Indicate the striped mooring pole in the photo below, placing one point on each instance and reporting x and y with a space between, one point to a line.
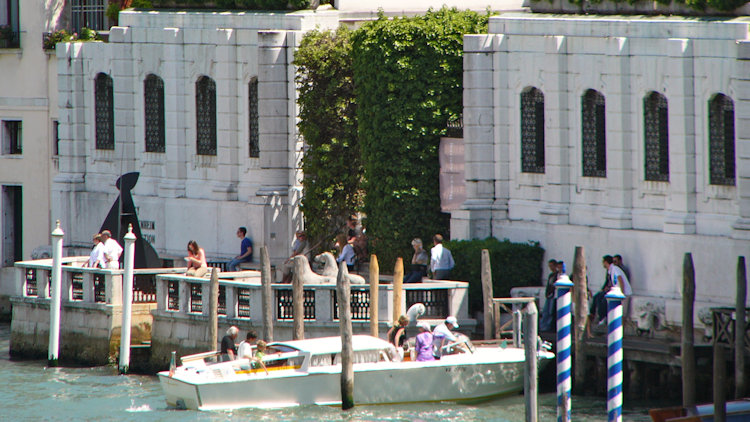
564 366
614 354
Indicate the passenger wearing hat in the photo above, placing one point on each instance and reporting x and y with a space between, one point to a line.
443 335
424 343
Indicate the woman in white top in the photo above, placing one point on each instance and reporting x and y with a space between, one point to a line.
96 258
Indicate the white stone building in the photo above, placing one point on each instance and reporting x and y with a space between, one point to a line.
28 121
620 134
203 105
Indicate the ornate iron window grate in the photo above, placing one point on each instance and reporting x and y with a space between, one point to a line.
656 128
205 115
252 116
104 111
76 283
31 285
100 294
360 303
153 101
243 303
593 135
173 296
144 288
89 14
435 302
284 304
721 140
222 308
532 131
196 298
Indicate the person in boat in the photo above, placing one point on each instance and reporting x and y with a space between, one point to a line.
442 335
96 258
397 333
228 348
245 349
257 360
424 341
196 260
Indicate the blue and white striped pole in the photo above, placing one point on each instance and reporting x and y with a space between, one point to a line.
614 354
563 286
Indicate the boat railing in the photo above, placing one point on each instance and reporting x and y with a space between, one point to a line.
241 298
199 356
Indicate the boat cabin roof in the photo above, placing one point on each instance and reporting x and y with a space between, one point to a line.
327 345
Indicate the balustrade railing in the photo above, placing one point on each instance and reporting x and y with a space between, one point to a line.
241 298
83 284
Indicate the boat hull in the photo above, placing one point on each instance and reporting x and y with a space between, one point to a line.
380 383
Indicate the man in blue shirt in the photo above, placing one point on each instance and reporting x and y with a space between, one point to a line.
246 250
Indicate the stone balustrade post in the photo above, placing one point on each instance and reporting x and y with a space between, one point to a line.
230 291
112 287
162 293
184 290
67 286
88 287
324 304
43 279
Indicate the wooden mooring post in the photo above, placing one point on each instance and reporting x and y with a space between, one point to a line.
398 287
580 300
687 348
266 293
720 381
374 294
213 310
740 386
487 295
343 289
298 302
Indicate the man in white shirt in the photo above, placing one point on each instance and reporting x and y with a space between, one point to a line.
441 260
618 277
245 349
112 251
442 334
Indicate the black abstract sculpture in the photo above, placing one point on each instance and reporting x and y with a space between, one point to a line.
120 215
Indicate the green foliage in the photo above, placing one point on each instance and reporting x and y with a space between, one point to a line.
408 75
87 34
141 4
299 4
331 163
113 10
513 265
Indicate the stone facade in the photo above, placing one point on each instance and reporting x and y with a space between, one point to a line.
651 223
182 195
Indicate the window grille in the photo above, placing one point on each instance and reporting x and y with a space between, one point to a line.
285 302
222 308
593 134
205 110
76 286
532 131
655 123
243 303
721 140
88 14
173 296
252 115
435 301
100 292
196 298
359 303
12 137
104 111
31 285
153 100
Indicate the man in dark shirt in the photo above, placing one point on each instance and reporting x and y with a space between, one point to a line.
228 348
246 250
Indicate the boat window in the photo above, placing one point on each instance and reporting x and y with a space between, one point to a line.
361 356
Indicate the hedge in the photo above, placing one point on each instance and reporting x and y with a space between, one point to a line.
513 265
331 162
408 75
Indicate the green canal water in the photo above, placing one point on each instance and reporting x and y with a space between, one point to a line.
30 391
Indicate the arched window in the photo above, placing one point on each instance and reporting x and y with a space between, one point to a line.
656 134
252 116
104 112
593 135
721 140
153 100
205 115
532 131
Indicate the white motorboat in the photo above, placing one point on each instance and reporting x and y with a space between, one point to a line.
309 372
